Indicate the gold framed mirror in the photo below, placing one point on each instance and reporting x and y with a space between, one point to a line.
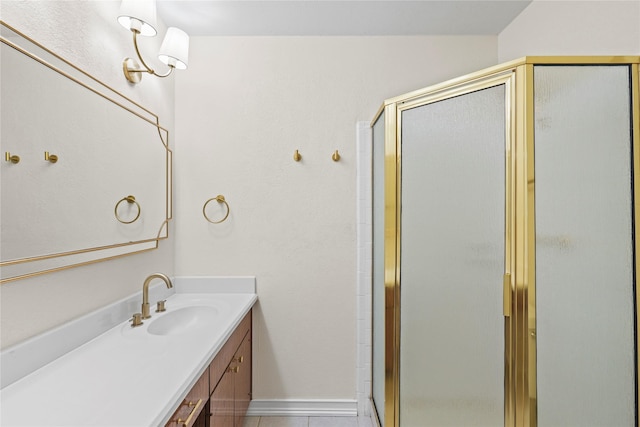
86 172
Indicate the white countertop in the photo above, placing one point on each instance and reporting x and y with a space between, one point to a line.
125 376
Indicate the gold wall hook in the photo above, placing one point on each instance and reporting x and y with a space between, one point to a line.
335 156
9 158
50 157
297 156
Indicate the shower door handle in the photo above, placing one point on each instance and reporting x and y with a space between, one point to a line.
506 295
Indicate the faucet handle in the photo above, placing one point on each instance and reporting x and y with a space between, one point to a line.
136 320
160 306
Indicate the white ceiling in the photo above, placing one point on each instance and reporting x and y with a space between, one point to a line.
339 17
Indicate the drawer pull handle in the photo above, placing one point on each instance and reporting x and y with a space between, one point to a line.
239 359
235 369
195 405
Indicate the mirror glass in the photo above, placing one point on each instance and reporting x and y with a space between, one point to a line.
83 150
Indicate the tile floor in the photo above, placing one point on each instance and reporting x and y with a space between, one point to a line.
307 422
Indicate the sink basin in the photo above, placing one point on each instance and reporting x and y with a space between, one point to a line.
183 320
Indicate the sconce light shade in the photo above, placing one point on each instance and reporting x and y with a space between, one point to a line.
138 15
175 48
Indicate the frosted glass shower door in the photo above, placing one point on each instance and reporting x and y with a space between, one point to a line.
584 246
452 351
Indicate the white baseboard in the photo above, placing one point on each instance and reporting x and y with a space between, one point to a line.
303 408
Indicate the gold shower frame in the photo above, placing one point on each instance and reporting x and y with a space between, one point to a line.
101 89
520 392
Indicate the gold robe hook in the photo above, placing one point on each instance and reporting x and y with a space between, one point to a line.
296 156
50 157
11 158
335 156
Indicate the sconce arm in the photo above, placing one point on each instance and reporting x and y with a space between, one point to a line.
146 69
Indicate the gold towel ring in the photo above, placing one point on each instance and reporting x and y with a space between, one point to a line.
128 199
220 199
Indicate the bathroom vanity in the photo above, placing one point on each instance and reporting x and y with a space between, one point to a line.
178 368
223 391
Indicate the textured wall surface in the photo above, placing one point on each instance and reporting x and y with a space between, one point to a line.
87 34
606 27
245 106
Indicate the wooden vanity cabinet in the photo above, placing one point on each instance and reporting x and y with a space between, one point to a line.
187 414
222 395
230 379
242 383
222 403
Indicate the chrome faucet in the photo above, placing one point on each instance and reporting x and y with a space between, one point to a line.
145 291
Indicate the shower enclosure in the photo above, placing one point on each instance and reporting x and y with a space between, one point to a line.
504 247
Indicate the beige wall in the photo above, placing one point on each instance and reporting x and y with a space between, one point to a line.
244 106
573 28
87 34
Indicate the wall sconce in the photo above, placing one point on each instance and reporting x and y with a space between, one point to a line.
139 16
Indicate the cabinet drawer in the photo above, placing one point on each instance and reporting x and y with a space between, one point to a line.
192 404
226 353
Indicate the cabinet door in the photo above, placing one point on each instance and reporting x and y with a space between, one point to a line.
221 404
243 380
